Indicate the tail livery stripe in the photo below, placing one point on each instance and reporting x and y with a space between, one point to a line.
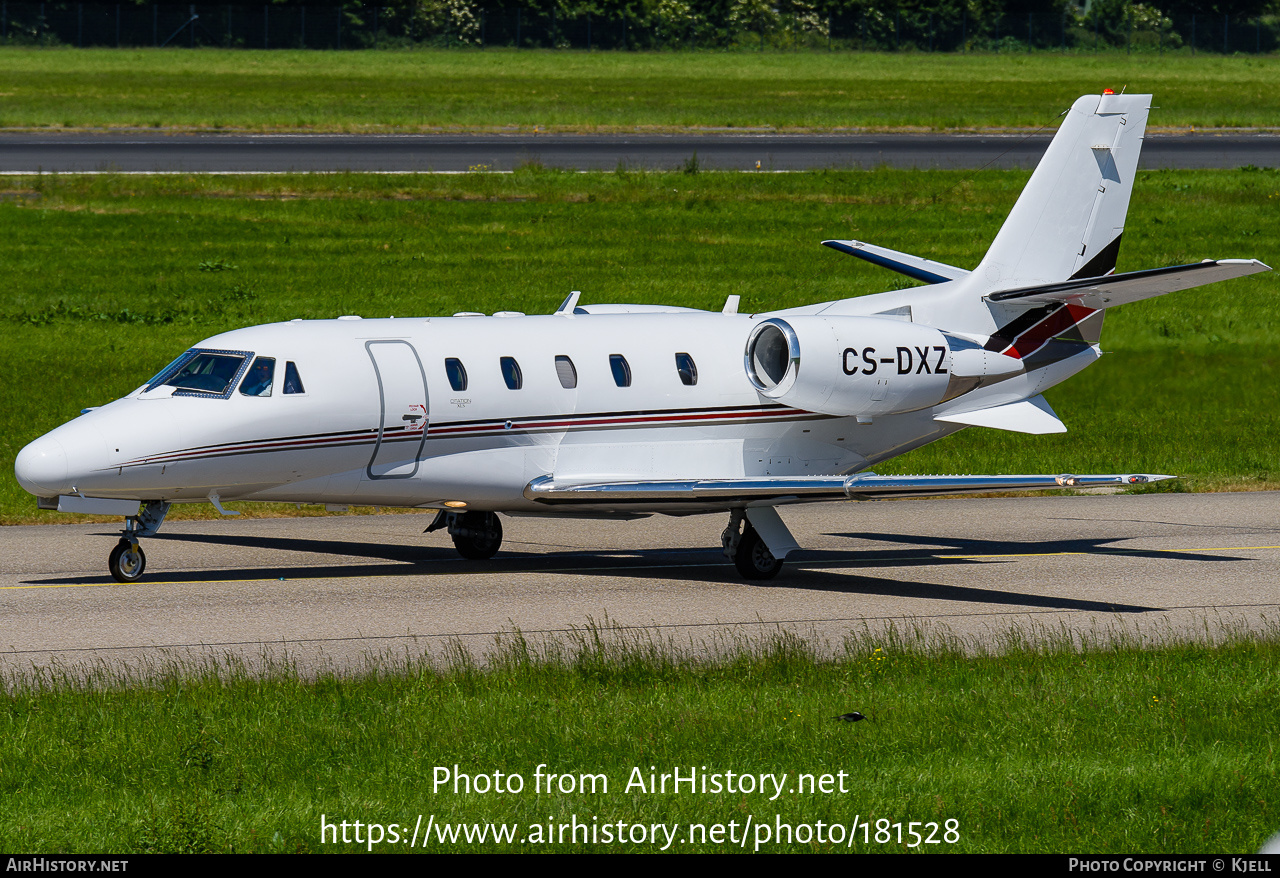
1027 341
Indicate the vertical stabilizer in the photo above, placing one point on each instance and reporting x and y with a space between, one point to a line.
1068 221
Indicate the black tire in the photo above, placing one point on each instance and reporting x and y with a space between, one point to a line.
479 536
753 558
126 564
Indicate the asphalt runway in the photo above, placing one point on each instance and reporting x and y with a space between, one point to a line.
235 153
338 592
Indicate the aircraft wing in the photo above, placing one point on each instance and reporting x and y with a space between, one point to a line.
769 490
915 267
1132 286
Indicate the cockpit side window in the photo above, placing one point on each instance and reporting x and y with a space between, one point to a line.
292 380
207 373
258 381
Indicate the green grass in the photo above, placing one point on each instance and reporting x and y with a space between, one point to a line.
108 278
1061 747
500 90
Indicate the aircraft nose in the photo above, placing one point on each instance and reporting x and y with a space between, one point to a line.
42 468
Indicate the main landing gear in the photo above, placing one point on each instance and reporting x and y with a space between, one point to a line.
476 535
127 561
757 555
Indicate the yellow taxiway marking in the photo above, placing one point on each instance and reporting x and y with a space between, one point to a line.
1112 552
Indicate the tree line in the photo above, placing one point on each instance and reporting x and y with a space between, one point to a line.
923 25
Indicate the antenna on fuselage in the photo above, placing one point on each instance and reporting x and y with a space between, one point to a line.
570 302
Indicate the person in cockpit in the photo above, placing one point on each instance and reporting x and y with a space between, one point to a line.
258 381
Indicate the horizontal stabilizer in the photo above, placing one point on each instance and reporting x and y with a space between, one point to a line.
720 493
904 263
1121 289
1026 416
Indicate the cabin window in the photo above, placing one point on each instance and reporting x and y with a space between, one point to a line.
511 373
213 373
457 373
621 371
566 373
686 369
292 380
258 381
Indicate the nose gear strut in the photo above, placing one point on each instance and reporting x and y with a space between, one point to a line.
127 561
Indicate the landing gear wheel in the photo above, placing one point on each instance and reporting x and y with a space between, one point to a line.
127 562
477 535
753 558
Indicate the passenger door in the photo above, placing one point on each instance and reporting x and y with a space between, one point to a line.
402 427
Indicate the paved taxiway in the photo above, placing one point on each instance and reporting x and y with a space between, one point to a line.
328 592
237 153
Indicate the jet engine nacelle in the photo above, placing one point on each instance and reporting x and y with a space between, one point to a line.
849 365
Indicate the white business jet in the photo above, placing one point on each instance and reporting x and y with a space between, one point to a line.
621 411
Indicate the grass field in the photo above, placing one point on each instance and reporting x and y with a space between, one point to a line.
1057 748
501 90
1190 388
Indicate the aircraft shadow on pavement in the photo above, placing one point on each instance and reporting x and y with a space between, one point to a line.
804 570
1009 548
1214 525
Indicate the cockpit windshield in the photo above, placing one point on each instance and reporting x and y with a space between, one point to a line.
159 378
203 373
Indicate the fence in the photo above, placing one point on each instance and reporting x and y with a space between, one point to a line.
884 28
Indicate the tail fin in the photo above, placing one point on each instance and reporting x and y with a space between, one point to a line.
1069 219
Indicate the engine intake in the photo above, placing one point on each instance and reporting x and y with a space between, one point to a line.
849 365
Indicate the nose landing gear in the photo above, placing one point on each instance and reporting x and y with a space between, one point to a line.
127 561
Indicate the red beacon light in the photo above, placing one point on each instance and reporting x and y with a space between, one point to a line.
1107 91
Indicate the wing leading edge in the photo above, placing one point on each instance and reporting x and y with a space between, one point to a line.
769 490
